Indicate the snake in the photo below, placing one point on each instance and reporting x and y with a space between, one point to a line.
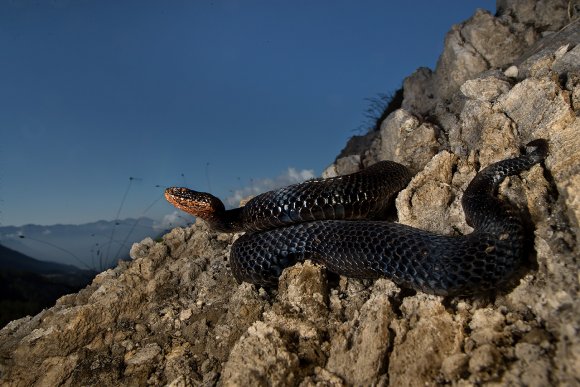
339 222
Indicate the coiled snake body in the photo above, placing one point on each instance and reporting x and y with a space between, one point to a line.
321 220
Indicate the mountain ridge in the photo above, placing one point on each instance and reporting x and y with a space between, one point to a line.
94 245
13 260
28 285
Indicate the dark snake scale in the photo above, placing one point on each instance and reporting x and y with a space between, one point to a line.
336 222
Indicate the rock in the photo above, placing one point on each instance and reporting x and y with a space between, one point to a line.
552 51
418 92
544 14
477 45
430 201
424 337
454 366
260 357
485 360
405 139
485 89
343 166
567 60
356 145
175 316
512 72
358 352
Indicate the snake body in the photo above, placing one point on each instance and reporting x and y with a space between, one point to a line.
335 222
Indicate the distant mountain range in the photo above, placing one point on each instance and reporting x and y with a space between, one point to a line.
28 285
15 261
66 259
92 246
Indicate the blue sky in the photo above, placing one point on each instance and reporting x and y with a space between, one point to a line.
215 95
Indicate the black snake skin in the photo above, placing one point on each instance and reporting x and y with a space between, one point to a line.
432 263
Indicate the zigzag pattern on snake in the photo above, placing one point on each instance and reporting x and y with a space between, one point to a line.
335 222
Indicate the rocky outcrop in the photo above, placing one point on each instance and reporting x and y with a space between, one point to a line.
174 315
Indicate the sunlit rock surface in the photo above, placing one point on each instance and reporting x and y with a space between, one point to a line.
174 315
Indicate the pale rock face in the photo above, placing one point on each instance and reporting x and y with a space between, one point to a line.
175 315
405 139
418 92
481 43
545 15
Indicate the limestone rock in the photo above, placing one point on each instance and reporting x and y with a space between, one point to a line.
485 89
175 316
260 357
405 139
358 352
543 14
418 92
343 166
481 43
425 336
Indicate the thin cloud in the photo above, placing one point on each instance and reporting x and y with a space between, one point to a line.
175 219
291 176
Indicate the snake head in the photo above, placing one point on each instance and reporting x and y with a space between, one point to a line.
537 149
199 204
